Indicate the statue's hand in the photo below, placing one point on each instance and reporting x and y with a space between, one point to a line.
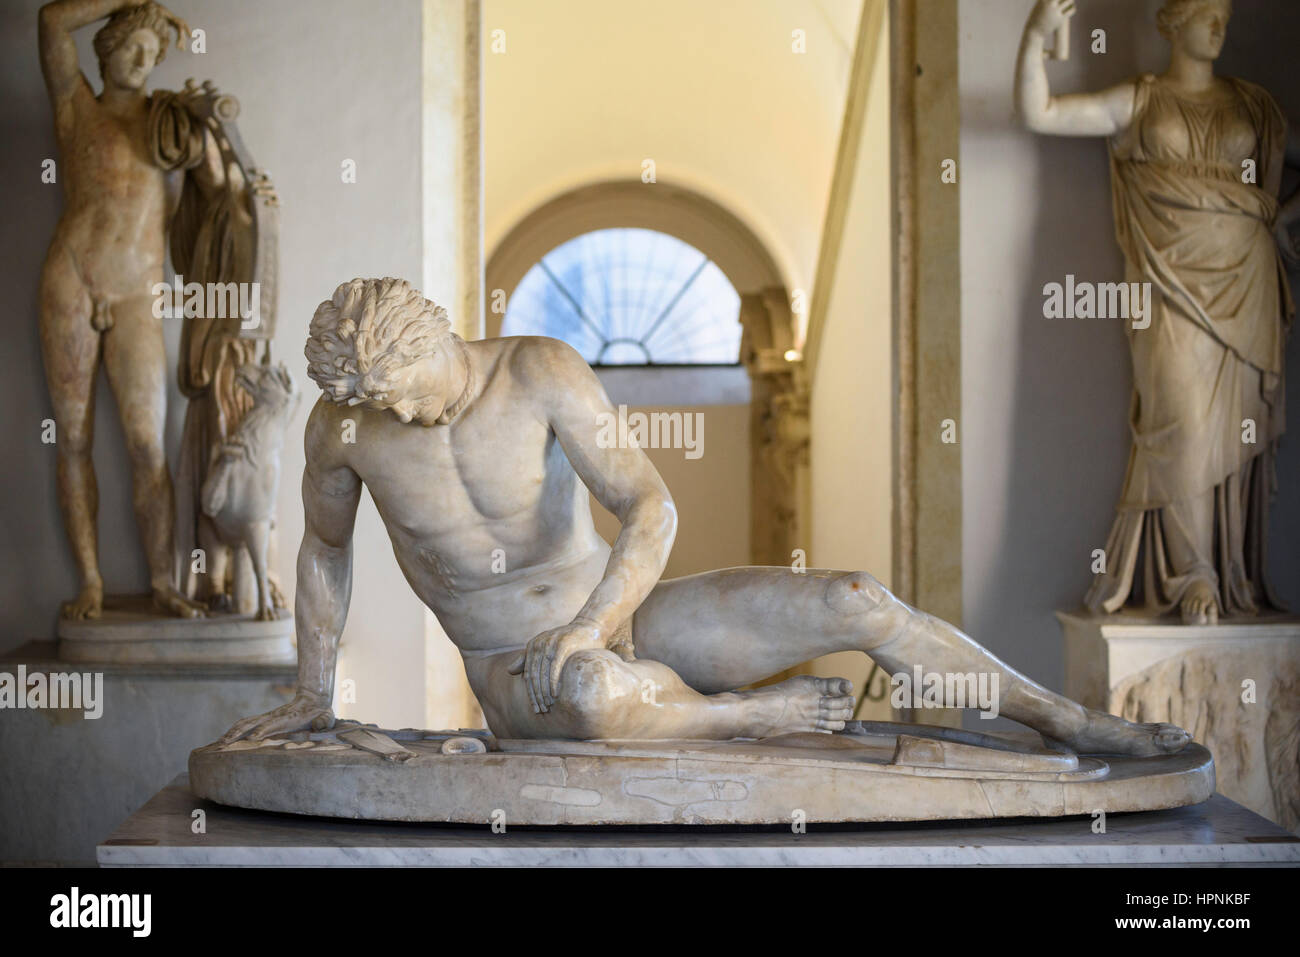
543 659
182 28
303 713
1287 244
1048 16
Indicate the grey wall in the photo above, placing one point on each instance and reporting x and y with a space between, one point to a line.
319 83
67 782
1045 403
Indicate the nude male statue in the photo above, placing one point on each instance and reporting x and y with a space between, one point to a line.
473 447
96 296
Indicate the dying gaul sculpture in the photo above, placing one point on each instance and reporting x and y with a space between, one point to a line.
1196 170
476 449
139 170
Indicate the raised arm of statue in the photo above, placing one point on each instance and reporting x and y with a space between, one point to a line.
1081 114
58 50
330 493
624 481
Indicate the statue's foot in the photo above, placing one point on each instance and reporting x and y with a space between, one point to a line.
267 613
171 602
802 704
1109 734
88 604
223 603
1199 605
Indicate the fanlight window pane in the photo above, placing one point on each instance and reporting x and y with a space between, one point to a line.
630 297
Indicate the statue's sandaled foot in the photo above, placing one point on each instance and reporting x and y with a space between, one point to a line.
804 703
1108 734
169 601
267 613
88 604
1200 606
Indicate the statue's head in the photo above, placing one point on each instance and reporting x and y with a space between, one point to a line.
131 44
1197 27
379 343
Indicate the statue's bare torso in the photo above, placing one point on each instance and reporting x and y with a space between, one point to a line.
117 200
489 522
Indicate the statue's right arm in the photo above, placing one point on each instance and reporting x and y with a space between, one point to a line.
330 493
1082 114
56 23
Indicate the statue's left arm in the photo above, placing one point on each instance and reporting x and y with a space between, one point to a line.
623 480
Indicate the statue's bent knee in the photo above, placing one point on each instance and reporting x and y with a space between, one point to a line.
853 593
597 693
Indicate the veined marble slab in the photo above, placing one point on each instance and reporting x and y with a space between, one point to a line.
1217 832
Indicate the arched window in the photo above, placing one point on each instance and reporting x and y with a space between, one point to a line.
627 297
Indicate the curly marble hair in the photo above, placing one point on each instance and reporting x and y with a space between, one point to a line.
1175 13
366 332
147 16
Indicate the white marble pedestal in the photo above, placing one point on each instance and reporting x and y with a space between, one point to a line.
130 631
1218 832
1235 686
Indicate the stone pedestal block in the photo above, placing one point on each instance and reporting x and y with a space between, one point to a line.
67 778
1235 686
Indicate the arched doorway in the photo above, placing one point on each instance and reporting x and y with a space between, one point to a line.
768 347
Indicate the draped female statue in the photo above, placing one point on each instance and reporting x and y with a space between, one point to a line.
1197 162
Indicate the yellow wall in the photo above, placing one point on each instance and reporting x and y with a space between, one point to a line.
711 91
711 493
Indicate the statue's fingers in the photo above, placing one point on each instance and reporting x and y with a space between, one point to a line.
530 667
524 664
276 723
536 676
238 730
551 672
517 666
271 724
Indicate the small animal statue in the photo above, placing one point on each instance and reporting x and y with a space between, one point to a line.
238 496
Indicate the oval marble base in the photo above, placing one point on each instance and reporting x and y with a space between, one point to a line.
131 631
363 773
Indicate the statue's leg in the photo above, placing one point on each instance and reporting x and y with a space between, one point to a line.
259 534
70 347
728 628
136 362
603 696
1187 529
213 587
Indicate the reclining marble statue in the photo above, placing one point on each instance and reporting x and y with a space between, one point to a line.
472 449
146 174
